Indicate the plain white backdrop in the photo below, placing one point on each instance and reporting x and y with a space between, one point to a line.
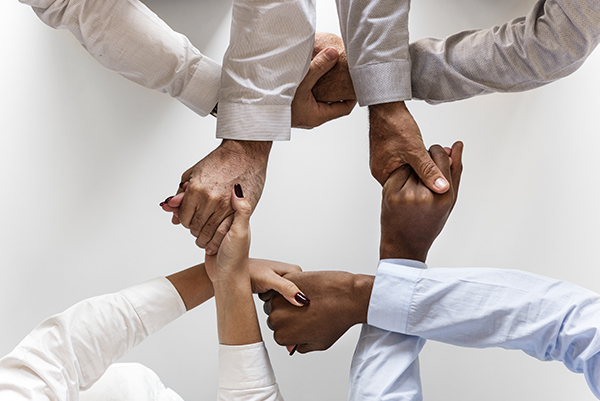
86 156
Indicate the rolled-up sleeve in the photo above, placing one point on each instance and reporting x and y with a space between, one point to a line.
245 374
375 34
267 58
128 38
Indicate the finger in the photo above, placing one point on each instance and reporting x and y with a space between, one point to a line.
428 171
457 167
291 349
216 221
304 348
241 207
185 181
441 159
213 246
323 62
266 296
327 112
267 307
397 179
288 289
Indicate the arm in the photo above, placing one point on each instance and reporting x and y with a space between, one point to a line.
245 371
551 42
128 38
70 351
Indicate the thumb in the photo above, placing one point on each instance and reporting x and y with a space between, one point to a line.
323 62
241 207
429 172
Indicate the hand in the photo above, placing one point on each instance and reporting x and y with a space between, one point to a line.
339 300
336 84
204 200
307 112
412 216
267 275
232 258
395 140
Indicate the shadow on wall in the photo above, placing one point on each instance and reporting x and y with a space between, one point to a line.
197 20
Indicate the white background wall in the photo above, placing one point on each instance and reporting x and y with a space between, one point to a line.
86 156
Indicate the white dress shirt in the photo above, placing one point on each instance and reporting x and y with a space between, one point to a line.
480 308
69 352
269 54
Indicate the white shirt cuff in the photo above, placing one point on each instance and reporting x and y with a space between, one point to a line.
244 367
156 302
392 293
201 94
251 122
382 82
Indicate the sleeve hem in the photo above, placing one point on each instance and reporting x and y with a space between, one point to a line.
245 367
202 91
253 122
382 82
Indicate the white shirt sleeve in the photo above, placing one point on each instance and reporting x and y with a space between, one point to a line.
245 374
268 56
547 319
375 34
551 42
385 364
69 352
128 38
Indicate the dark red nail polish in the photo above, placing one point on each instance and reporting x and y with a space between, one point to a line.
181 184
238 191
302 299
294 350
168 199
161 204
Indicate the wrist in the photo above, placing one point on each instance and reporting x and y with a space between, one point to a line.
251 149
393 251
361 291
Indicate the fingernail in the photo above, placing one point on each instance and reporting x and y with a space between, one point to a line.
293 350
168 199
161 204
331 54
238 191
440 183
301 298
181 184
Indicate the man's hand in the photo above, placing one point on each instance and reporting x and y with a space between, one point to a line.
412 216
338 301
336 85
206 205
307 112
395 140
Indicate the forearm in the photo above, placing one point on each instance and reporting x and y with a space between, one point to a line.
376 37
128 38
265 62
551 42
193 285
236 314
71 350
548 319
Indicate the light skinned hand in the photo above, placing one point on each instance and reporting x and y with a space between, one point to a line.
336 84
307 112
412 216
395 140
204 206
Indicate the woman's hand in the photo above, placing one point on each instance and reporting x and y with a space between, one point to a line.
232 257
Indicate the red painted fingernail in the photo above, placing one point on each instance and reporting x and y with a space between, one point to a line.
294 350
181 184
168 199
238 191
301 298
161 204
